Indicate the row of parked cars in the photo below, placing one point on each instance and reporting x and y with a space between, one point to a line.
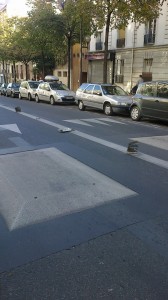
10 89
150 100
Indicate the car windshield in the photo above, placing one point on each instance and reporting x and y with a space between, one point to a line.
113 90
16 85
58 86
34 85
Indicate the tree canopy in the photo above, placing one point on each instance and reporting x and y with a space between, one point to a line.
45 37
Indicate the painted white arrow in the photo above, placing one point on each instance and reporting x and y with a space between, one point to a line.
11 127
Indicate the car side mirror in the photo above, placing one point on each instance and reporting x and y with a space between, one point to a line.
48 89
99 93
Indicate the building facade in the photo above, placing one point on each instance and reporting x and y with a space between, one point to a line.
137 49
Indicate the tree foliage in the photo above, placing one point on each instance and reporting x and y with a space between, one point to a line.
53 26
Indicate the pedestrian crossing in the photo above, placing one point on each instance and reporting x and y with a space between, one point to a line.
94 121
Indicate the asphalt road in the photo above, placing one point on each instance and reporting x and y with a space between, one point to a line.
83 204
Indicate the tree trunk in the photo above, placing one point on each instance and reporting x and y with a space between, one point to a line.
106 48
26 66
43 65
69 60
81 65
14 71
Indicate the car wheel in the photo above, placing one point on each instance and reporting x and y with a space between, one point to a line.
52 101
81 105
108 109
29 97
12 95
135 113
36 98
20 97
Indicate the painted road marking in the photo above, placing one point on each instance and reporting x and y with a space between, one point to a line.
140 155
101 121
11 127
63 186
19 142
111 120
96 121
160 142
78 121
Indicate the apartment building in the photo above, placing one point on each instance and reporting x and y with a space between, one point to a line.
137 49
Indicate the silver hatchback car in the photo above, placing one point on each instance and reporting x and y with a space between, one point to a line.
107 97
54 92
27 89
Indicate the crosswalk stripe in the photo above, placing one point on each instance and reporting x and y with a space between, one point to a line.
96 121
78 121
111 120
102 121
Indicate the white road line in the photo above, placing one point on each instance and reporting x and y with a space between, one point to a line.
78 121
111 121
140 155
96 121
101 141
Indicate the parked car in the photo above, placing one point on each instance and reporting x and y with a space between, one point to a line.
106 97
54 92
27 89
12 89
3 89
150 100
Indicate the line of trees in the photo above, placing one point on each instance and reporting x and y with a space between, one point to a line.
45 37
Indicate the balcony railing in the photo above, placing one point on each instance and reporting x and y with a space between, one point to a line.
119 78
99 46
149 39
120 43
